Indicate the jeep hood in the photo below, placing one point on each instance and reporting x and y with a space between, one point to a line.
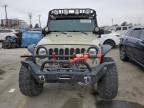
70 38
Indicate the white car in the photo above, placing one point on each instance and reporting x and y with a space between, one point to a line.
6 32
122 29
110 38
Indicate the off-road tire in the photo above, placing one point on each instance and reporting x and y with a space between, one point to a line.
110 42
108 85
123 55
5 45
27 84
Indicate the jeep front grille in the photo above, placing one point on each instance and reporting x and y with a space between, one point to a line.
65 51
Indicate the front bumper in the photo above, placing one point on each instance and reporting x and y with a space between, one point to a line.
85 78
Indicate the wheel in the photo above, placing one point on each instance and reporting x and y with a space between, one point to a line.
123 55
107 86
27 84
7 37
110 42
11 42
6 44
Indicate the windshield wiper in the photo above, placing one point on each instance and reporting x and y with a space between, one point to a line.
80 32
73 31
84 33
64 33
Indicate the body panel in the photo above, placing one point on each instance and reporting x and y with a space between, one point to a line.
111 36
70 38
6 32
134 45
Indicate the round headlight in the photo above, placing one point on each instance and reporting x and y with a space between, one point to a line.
56 12
42 51
92 51
66 12
87 11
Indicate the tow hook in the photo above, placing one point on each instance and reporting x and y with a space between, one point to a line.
87 81
42 78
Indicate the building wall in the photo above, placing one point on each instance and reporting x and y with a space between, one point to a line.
13 23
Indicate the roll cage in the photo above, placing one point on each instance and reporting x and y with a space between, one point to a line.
76 13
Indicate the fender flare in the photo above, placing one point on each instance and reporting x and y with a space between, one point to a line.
31 48
105 49
110 40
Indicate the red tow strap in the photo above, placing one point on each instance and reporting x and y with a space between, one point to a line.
99 56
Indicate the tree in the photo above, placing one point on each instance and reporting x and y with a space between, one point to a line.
130 24
36 26
2 25
31 26
124 23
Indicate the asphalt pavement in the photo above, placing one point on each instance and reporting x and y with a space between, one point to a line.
131 78
0 45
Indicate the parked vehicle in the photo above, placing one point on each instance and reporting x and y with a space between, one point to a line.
69 53
122 29
30 37
22 39
110 37
132 45
7 32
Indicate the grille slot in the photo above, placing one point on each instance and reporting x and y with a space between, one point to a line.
72 51
83 50
77 51
50 52
56 52
66 51
61 52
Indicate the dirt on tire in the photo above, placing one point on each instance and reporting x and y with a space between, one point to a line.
108 84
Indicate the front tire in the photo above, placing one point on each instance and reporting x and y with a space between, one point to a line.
108 85
6 44
27 84
123 55
110 42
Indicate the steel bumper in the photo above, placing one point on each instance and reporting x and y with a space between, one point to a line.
84 78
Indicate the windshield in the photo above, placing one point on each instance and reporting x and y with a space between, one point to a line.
63 25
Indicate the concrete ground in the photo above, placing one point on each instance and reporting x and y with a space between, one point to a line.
131 86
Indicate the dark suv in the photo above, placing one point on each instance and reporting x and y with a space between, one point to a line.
132 45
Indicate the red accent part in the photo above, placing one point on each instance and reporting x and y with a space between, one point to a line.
86 56
99 55
80 57
53 56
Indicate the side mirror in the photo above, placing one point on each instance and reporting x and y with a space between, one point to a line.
45 31
98 31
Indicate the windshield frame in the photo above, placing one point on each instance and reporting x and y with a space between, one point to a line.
94 24
61 16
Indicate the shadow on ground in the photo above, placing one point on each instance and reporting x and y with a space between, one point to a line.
118 104
137 65
2 71
73 103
